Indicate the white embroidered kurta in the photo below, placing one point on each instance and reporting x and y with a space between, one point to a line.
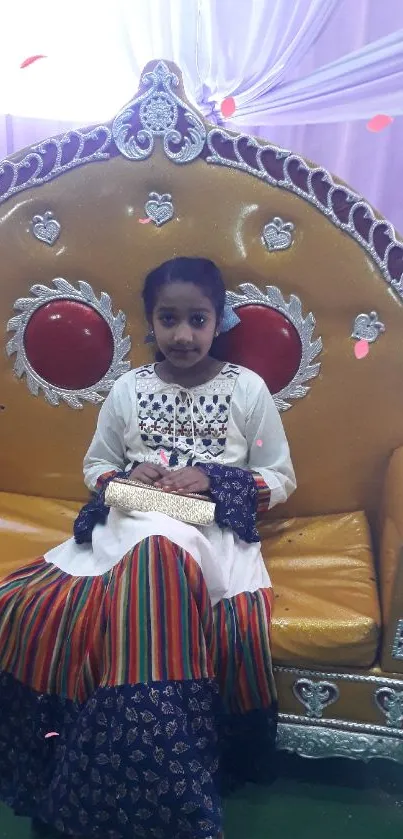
231 420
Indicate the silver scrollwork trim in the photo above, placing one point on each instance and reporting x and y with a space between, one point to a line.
34 168
84 294
345 725
397 648
340 677
293 163
324 742
158 108
272 297
315 696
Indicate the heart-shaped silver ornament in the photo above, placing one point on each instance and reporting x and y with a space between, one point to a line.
390 702
46 228
159 208
315 696
277 234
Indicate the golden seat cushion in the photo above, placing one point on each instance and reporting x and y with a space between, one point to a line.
326 602
29 526
326 608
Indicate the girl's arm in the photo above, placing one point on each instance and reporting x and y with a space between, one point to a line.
106 454
268 451
269 477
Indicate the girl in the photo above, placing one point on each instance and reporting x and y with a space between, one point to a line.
135 659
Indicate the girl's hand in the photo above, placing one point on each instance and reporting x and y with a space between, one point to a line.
188 479
148 473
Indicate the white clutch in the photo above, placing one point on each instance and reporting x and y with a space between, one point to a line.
131 496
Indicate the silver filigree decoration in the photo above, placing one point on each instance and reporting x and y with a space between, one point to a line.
84 294
159 208
397 648
289 171
52 158
158 111
324 742
390 702
315 696
46 228
277 234
367 327
272 298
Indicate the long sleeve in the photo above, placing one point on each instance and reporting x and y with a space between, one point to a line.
107 452
268 449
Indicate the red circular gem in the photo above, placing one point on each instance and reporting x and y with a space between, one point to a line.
69 344
264 341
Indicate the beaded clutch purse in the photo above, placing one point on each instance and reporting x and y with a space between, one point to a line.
130 496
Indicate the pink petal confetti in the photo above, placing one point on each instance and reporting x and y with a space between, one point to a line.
259 443
30 60
164 458
51 734
144 220
228 107
361 349
379 122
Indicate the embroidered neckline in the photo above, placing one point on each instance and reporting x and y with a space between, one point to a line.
227 367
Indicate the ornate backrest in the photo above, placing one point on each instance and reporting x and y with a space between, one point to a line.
85 216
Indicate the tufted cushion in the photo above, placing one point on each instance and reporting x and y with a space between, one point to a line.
326 602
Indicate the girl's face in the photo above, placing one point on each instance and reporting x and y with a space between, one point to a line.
184 321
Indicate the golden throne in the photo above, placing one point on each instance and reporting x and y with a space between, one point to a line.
316 279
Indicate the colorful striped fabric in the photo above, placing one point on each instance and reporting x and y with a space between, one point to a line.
148 619
264 494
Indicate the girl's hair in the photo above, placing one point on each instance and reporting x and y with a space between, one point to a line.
202 272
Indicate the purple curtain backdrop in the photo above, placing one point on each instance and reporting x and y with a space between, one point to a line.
307 75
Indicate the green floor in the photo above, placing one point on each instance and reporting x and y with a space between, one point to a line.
310 800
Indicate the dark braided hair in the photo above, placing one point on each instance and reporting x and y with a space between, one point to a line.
198 270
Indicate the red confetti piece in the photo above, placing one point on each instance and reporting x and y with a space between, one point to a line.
259 443
361 349
51 734
31 60
379 122
164 458
228 107
144 220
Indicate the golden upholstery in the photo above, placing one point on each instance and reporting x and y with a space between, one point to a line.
331 580
30 526
391 560
326 602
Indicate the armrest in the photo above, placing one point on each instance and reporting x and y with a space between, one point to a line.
391 565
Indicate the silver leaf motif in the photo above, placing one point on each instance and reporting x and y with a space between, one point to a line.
159 208
158 110
367 327
46 228
272 298
277 234
64 290
390 702
315 696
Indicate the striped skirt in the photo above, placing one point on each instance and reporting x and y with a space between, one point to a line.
122 697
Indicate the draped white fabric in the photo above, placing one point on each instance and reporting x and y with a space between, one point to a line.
291 65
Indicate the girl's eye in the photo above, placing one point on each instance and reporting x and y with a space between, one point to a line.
167 320
198 320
